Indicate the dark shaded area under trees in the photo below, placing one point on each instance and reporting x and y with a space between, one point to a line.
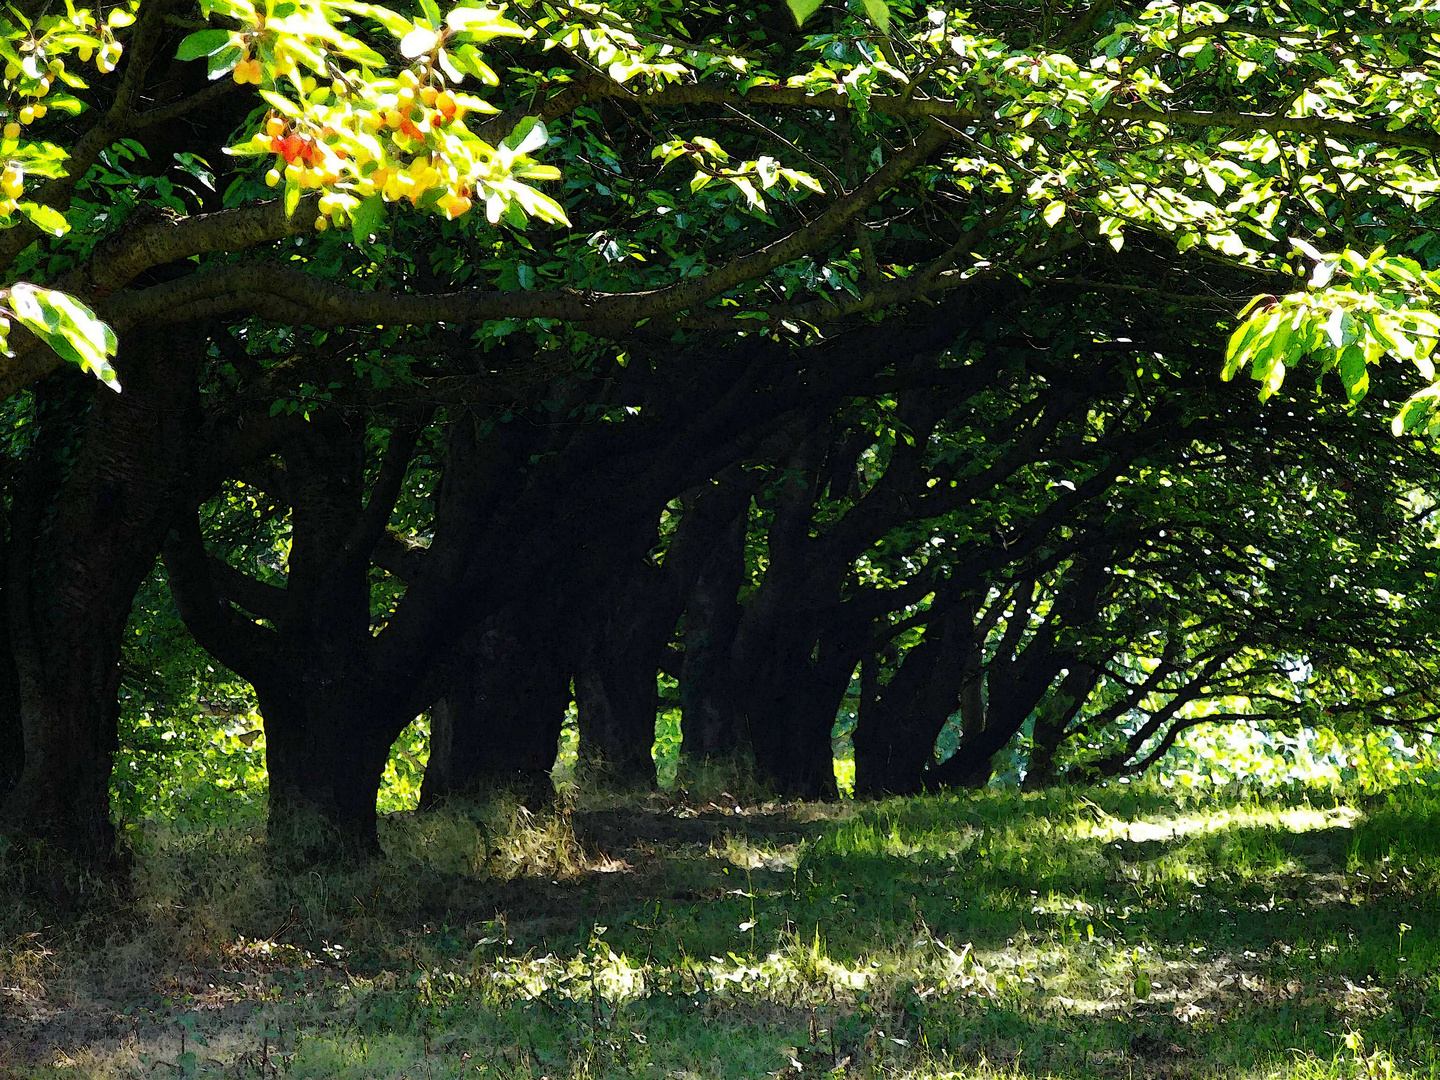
981 516
1008 505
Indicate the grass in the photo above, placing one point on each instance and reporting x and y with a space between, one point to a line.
1122 932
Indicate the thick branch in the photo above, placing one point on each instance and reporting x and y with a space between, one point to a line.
257 284
237 642
256 597
397 555
378 508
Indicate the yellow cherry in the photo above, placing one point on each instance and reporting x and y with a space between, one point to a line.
12 181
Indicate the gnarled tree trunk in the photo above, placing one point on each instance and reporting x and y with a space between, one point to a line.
83 537
498 728
899 722
710 712
330 718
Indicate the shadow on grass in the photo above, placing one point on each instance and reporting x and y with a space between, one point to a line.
1114 933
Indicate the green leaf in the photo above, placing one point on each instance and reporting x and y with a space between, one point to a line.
529 135
1245 340
202 43
879 12
222 62
1415 411
67 326
45 218
366 218
1340 328
803 9
1354 373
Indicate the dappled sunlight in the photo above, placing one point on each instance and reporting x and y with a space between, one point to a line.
1180 826
1063 935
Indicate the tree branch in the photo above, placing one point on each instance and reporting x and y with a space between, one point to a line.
327 304
398 555
256 597
378 508
237 642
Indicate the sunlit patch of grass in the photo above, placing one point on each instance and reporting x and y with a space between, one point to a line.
1108 933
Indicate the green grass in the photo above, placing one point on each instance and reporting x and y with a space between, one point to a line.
1124 932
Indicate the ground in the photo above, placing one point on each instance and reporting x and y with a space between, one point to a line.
1123 932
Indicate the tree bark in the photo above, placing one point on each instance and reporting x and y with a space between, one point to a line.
326 760
83 537
898 725
1019 676
12 734
329 717
790 714
710 713
499 726
616 693
1052 724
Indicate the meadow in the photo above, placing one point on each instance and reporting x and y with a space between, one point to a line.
1126 931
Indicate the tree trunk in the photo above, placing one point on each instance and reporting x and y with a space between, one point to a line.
499 729
82 540
790 726
791 704
12 733
329 718
1052 724
616 700
616 693
898 725
710 713
1045 741
326 763
986 732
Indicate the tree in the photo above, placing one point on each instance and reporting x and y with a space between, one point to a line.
986 144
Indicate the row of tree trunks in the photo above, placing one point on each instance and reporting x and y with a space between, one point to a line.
89 518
